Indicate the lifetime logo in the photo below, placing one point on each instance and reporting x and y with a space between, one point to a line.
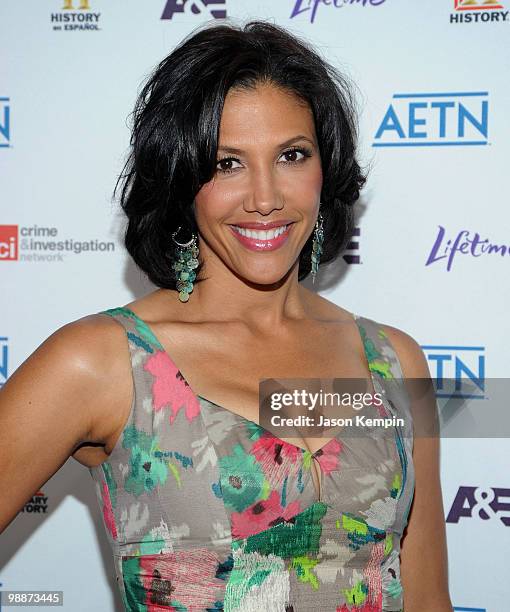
460 364
8 242
5 122
194 7
435 119
471 11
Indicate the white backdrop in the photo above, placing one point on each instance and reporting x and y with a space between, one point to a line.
434 96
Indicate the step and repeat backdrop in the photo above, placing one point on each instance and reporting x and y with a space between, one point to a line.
430 253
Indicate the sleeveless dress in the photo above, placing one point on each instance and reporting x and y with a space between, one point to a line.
206 510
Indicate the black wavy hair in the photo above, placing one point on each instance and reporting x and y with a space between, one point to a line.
175 132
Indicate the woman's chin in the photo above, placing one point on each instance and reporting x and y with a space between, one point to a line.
264 278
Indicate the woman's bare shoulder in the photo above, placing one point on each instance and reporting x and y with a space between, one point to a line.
94 350
410 354
91 342
70 392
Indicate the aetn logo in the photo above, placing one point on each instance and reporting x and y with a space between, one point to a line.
5 122
435 119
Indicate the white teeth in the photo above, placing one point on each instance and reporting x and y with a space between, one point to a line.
261 235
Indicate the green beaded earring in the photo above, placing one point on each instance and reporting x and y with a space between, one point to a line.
318 239
184 265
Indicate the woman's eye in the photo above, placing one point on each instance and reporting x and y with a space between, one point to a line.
225 165
292 155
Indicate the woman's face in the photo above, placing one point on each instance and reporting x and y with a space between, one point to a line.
268 170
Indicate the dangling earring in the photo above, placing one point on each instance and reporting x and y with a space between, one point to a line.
184 265
318 239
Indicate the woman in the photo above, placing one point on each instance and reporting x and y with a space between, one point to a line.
241 179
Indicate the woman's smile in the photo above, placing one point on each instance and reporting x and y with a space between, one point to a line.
262 240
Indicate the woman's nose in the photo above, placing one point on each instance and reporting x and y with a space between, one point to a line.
264 194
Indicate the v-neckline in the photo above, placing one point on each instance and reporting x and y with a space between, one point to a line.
198 397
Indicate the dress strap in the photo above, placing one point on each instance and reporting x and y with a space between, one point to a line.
381 355
140 342
385 364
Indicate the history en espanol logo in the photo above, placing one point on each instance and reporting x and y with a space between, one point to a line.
75 18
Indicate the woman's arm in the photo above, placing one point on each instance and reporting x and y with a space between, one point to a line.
424 565
57 399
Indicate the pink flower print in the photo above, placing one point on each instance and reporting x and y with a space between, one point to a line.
181 580
262 515
170 388
108 517
277 458
366 607
279 451
372 583
372 573
329 456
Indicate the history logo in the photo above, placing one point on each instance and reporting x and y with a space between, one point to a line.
474 11
75 15
37 504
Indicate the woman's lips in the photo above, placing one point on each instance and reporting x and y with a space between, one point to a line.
258 244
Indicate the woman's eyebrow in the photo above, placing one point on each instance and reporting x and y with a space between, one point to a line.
288 142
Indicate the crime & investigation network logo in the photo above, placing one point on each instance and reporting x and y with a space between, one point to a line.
39 244
213 9
435 119
75 16
478 11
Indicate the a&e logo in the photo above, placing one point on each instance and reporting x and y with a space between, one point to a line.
491 503
195 7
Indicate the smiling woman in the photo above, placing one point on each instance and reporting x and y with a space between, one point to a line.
241 180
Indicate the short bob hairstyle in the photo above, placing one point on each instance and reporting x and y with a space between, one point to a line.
175 132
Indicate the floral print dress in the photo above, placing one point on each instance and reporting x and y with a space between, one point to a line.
205 510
